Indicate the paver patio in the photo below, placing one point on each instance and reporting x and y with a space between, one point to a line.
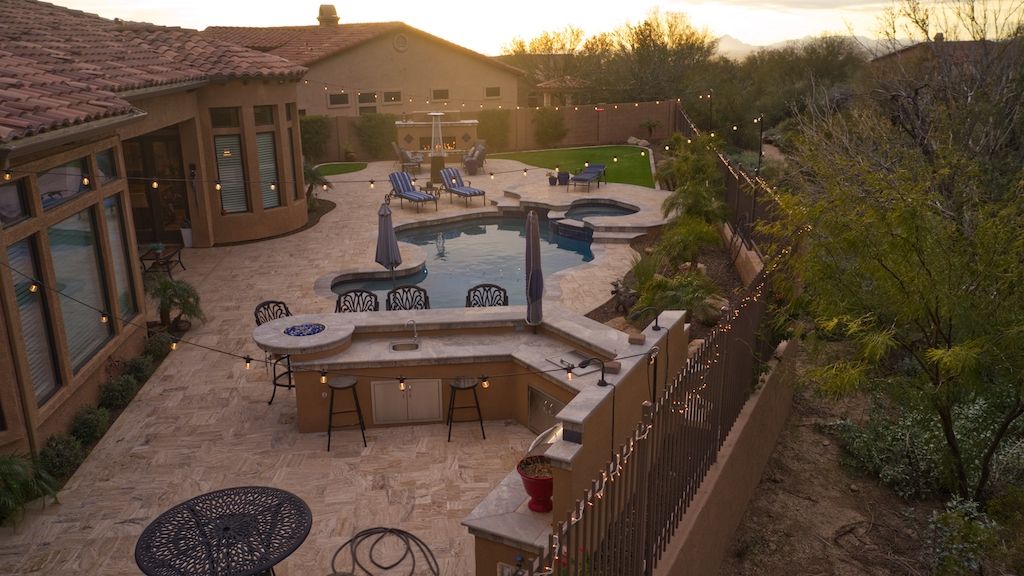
202 421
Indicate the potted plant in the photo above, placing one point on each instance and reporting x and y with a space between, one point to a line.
174 295
186 233
536 474
552 179
157 248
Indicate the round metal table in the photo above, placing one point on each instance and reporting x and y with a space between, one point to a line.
232 532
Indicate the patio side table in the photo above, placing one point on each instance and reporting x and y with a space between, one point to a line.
240 531
164 260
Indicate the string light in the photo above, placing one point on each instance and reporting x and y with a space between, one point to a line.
85 180
154 185
174 343
273 186
323 187
568 372
371 184
492 175
104 318
615 158
484 382
323 376
401 383
524 171
248 362
8 175
217 186
33 288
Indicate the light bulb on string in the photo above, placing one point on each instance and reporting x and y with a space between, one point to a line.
323 376
248 362
401 383
104 318
34 287
371 184
323 187
8 175
484 382
492 175
217 186
273 186
174 343
524 171
85 180
154 184
568 372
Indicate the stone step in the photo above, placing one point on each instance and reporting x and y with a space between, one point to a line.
616 237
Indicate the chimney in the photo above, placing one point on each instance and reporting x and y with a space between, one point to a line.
328 15
939 37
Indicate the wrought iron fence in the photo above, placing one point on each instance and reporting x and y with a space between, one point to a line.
624 522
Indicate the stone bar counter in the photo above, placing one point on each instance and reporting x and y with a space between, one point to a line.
520 362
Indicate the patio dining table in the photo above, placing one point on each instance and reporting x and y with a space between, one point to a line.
241 531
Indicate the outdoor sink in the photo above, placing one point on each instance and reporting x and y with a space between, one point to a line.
404 345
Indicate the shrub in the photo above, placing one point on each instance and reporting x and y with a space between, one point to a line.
684 240
904 452
961 538
315 131
139 368
90 424
21 481
158 346
376 132
493 127
1007 510
549 127
683 292
61 456
117 393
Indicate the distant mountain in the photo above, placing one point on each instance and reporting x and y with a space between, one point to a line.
738 50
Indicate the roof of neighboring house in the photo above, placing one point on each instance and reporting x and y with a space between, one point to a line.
564 83
957 50
61 67
307 45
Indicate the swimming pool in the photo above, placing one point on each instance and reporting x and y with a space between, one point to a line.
463 254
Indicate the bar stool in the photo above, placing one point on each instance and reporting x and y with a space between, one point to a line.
343 382
463 384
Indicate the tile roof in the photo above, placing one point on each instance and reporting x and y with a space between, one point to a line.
307 45
61 67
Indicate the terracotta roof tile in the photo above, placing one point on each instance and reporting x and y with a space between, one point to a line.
60 67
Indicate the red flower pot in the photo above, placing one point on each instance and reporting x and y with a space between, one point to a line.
536 474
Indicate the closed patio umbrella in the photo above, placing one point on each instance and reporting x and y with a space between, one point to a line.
534 274
388 254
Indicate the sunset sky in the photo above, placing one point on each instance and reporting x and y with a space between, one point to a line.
491 25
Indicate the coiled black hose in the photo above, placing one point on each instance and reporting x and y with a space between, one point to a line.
377 535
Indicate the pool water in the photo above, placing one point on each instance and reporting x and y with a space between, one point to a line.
463 254
580 212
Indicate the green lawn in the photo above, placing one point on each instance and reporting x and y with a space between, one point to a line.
632 168
335 168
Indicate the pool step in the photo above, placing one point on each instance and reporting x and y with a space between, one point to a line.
616 237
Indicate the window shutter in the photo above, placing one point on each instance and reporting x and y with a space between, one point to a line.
266 155
231 174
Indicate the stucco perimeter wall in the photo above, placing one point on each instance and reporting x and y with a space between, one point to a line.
747 262
709 525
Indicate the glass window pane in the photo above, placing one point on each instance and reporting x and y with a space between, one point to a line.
79 274
266 155
367 97
231 174
440 94
13 207
337 99
225 117
392 97
292 159
492 92
33 320
106 165
264 115
126 305
63 183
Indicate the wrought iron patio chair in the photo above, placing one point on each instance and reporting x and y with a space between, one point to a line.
265 312
485 294
407 298
357 301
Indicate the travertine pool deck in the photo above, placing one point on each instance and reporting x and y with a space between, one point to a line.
202 421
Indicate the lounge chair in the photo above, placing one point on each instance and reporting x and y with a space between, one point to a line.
451 181
409 161
592 173
403 188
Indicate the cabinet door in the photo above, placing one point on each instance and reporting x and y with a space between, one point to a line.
389 403
424 400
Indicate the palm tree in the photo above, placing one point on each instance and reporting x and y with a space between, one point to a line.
313 180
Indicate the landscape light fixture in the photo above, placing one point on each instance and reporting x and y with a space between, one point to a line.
635 315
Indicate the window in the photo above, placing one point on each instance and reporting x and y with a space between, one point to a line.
13 207
492 92
107 166
63 183
34 321
225 117
439 94
392 97
337 99
266 156
126 305
231 174
367 97
264 115
79 274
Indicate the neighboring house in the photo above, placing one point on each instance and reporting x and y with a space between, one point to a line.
113 134
381 67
